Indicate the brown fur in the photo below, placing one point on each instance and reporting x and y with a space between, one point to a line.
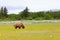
19 25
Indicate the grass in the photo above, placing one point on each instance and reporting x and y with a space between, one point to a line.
40 31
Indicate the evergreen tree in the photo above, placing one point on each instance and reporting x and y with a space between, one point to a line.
5 12
1 12
25 13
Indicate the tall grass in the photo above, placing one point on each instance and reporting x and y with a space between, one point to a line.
40 31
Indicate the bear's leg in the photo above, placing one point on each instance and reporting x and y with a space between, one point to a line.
23 27
19 27
16 27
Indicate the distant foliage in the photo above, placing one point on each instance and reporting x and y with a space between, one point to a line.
26 15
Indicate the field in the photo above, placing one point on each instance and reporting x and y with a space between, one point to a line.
38 31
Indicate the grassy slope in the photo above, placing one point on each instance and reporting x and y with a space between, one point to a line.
7 32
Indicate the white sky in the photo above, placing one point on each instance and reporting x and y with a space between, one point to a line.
15 6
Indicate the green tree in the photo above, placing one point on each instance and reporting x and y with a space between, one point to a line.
5 12
1 12
24 13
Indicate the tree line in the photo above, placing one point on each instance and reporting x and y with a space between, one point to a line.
26 15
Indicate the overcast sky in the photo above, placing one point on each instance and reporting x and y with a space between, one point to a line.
15 6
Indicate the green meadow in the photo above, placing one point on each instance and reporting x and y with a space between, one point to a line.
38 31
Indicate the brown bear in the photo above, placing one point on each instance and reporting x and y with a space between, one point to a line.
19 25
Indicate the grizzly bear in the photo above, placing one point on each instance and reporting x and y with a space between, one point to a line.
19 25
